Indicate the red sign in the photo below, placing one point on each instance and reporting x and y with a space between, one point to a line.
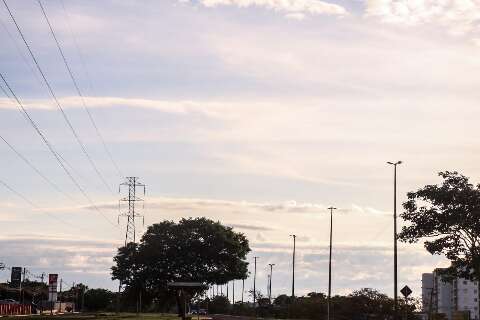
52 279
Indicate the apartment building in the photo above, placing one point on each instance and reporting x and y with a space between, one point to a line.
449 297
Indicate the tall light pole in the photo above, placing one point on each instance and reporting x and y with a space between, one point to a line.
254 282
330 264
293 266
270 282
243 288
395 270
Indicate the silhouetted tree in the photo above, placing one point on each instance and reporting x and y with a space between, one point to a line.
99 299
218 304
199 250
447 218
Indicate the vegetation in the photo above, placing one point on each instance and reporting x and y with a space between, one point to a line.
446 217
362 304
100 316
192 250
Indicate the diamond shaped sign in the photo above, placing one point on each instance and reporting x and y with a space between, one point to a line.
406 291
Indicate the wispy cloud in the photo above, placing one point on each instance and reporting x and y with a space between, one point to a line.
188 204
458 17
250 227
297 8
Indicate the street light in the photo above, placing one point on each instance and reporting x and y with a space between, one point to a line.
254 282
395 270
293 266
330 264
270 282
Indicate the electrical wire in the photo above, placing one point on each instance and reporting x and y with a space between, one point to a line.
37 171
52 150
24 198
57 102
84 66
77 88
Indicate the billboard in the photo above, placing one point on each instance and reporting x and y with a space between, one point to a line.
16 277
52 287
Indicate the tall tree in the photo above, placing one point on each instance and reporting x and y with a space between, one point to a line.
199 250
447 218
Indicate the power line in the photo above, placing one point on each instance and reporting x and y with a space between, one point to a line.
57 102
77 87
24 198
37 171
30 164
21 53
50 147
87 73
59 154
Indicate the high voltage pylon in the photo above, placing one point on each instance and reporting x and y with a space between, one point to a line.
132 184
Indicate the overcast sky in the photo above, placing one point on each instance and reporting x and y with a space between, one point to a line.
256 113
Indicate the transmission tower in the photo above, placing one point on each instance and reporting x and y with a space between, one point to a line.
131 183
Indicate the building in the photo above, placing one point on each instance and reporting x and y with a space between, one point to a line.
450 298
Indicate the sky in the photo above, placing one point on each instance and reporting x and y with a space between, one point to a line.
257 113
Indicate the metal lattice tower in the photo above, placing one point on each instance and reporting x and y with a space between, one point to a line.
131 183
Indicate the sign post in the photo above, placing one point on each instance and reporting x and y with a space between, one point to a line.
406 291
16 280
52 290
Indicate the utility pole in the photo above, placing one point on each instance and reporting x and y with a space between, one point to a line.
243 288
293 266
254 282
270 282
227 291
395 269
330 264
268 286
130 234
60 298
21 284
233 291
76 297
83 297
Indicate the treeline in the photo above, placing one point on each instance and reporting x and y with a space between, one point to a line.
364 304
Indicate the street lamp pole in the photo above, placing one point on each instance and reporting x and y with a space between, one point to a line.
270 283
243 288
254 282
395 269
293 266
330 264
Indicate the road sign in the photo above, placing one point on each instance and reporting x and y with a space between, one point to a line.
52 286
406 291
16 277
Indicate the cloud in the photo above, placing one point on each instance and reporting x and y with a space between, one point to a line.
354 266
460 17
295 16
290 8
250 227
199 204
74 259
184 107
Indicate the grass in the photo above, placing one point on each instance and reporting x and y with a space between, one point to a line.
98 316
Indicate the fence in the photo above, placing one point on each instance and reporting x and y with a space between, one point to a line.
15 309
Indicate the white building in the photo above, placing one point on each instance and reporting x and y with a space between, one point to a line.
449 297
